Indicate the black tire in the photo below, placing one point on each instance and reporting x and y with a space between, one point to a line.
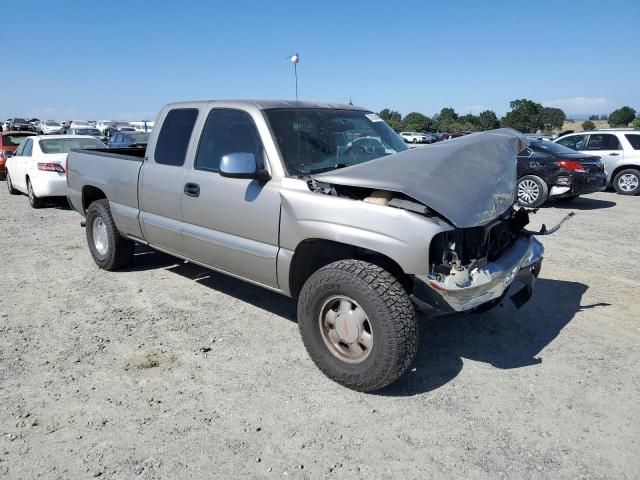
34 201
627 173
12 191
543 191
390 317
119 250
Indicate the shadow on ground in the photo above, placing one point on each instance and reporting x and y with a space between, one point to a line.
503 337
583 203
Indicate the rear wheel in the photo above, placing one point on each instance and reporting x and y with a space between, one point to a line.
109 249
34 201
358 324
532 191
627 182
12 191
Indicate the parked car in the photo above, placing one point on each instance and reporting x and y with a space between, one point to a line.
237 186
94 132
103 126
119 127
79 124
128 140
49 127
619 150
145 127
414 137
450 135
38 167
21 125
546 169
9 142
6 124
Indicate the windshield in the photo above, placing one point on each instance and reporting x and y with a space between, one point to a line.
139 137
313 140
88 131
550 147
80 122
64 145
20 120
13 140
51 123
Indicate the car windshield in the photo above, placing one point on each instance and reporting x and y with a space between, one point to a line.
64 145
80 122
313 140
139 137
551 148
20 120
51 123
13 140
87 131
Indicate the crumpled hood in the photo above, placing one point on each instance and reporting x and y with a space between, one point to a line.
468 180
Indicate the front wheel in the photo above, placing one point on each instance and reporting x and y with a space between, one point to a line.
358 324
109 249
532 191
627 182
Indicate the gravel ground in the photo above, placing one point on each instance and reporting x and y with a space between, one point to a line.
168 370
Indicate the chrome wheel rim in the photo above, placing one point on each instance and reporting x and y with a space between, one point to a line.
100 239
528 191
628 182
32 196
345 329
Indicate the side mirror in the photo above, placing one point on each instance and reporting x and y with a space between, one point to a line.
242 165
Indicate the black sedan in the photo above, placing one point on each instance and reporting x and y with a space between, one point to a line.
546 169
128 140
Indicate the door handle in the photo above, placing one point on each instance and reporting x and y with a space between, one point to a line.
192 189
614 154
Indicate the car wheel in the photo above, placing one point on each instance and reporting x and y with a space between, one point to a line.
627 182
532 191
415 140
109 249
358 324
12 191
34 201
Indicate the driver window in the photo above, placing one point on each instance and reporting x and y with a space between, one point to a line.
575 142
227 131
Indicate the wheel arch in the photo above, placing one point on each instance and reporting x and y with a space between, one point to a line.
619 168
90 194
312 254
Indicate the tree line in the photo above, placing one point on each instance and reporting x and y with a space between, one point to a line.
525 115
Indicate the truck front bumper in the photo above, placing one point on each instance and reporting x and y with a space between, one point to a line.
521 264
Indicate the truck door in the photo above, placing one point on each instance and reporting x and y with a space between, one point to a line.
162 179
231 224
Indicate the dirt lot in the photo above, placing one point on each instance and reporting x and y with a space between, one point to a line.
168 370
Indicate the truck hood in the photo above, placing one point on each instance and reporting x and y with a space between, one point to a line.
468 180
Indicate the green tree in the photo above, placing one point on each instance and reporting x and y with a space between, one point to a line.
588 125
393 118
552 118
488 120
416 122
525 115
604 117
636 122
446 119
622 117
593 117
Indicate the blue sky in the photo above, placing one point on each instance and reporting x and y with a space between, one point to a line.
124 60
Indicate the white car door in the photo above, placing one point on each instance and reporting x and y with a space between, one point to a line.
607 147
17 168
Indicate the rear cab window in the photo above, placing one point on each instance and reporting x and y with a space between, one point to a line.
174 137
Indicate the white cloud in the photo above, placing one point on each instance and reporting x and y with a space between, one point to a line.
581 105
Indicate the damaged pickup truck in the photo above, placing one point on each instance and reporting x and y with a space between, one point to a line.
323 203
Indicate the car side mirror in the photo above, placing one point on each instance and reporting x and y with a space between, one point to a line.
242 165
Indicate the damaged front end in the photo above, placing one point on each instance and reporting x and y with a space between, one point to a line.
477 267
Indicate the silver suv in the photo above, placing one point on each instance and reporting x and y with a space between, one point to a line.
619 150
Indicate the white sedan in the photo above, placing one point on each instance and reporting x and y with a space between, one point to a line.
39 165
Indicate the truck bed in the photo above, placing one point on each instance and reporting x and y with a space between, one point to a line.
107 173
